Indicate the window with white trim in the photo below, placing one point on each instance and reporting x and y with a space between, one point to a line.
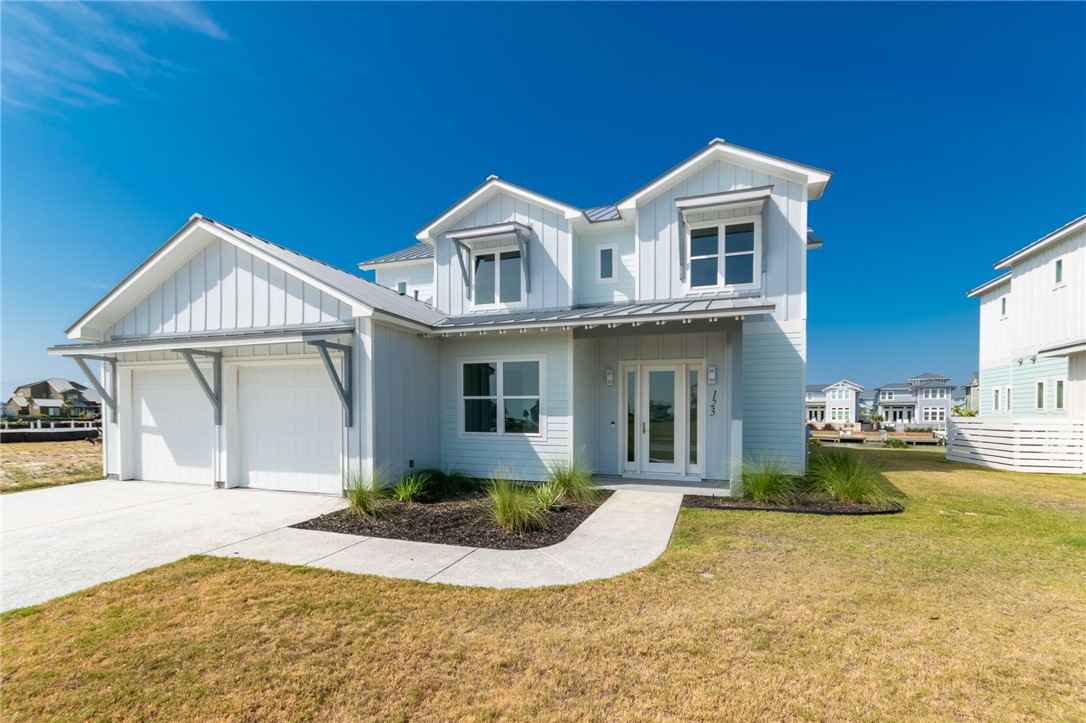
886 396
995 399
1059 393
1003 306
606 260
1039 401
501 397
1059 271
498 278
934 394
1007 399
934 414
725 253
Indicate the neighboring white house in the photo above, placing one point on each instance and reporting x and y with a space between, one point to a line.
837 403
663 336
925 401
1032 360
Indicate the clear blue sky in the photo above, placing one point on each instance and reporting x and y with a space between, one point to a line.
957 134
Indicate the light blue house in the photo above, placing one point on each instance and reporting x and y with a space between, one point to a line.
925 401
662 336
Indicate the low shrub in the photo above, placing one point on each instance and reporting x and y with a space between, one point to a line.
814 442
845 477
574 478
513 507
549 495
896 443
410 487
765 480
445 483
364 494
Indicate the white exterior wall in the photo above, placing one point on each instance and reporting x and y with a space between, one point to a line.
523 457
774 371
419 277
622 288
784 237
550 262
407 398
223 287
849 406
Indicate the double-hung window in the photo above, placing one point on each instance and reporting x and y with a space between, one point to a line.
502 397
499 278
725 254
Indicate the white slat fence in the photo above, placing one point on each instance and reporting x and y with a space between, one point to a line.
1021 445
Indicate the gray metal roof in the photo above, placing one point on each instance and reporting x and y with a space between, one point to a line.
364 292
894 385
929 375
659 311
816 387
179 341
602 213
419 251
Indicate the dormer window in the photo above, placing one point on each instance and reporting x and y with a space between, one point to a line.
499 279
725 254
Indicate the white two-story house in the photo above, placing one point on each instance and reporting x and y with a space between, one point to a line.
924 401
662 336
836 404
1032 381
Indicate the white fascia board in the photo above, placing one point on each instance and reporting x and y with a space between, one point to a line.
429 261
815 179
492 186
845 383
993 284
1074 347
1055 237
603 321
393 320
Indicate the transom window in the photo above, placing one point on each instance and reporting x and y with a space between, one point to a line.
499 278
502 397
724 255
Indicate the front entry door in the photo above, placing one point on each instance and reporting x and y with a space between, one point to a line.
664 423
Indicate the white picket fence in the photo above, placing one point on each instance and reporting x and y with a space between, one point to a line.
1021 445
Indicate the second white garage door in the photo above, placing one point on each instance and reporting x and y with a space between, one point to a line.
290 428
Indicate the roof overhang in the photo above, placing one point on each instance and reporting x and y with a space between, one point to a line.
1066 349
196 233
1079 224
280 335
403 264
844 383
480 233
993 284
490 188
815 179
814 241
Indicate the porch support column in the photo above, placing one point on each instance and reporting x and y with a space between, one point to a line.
110 397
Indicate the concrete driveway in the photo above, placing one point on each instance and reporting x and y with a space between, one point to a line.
62 539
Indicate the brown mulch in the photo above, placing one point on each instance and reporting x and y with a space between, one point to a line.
807 506
461 521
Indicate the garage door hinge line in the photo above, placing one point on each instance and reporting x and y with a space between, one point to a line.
344 387
110 398
213 390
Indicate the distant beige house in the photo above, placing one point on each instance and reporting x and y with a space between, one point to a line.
48 396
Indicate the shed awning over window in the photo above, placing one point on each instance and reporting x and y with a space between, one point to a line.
717 206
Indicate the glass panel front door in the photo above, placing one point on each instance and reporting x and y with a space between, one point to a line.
664 418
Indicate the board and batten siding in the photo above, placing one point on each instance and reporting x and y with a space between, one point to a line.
407 400
622 289
419 278
522 457
549 252
774 367
784 234
223 287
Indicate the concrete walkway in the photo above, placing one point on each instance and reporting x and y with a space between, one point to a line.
628 531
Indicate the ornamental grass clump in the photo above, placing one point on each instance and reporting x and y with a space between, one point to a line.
410 487
846 477
443 484
574 478
896 443
549 496
513 507
365 493
765 480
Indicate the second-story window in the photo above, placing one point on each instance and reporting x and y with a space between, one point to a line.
724 255
1059 271
498 278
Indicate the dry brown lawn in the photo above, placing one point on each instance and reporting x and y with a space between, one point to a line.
31 465
969 606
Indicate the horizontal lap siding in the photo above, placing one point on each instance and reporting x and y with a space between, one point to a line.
1022 379
222 288
522 457
591 291
773 374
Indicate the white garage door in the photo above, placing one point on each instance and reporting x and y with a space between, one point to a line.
290 428
172 433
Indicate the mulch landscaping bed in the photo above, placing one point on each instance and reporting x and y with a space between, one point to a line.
462 521
810 507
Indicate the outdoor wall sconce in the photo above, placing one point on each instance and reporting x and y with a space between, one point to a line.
712 375
609 377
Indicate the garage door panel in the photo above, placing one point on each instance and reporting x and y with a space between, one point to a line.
173 427
290 428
